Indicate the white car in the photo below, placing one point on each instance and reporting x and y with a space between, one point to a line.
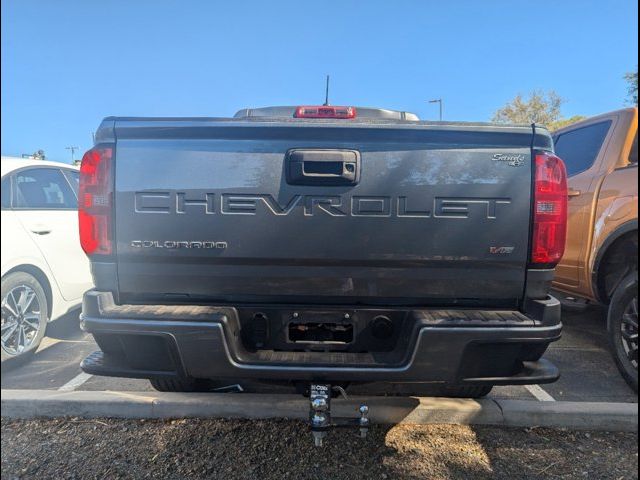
44 270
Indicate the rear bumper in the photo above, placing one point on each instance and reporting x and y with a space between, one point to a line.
448 347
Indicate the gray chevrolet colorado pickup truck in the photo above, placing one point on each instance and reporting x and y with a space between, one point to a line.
322 246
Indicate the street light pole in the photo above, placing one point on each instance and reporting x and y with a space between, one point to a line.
439 101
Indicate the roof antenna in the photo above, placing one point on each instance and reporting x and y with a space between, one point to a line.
326 94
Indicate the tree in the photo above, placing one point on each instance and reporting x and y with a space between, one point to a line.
632 80
557 125
540 107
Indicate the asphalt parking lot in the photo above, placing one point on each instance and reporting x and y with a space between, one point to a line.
588 372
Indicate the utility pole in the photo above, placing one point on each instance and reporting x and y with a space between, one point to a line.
326 93
439 101
73 150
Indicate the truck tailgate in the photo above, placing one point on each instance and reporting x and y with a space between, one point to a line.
319 213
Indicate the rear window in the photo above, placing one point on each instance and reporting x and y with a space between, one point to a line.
43 188
579 148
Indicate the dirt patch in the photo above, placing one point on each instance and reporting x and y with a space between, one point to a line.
275 449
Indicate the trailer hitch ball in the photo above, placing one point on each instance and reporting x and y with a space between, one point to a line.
319 424
319 404
319 412
364 421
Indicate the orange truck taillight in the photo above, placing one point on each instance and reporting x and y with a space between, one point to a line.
549 210
95 194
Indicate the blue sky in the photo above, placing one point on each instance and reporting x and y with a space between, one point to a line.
68 64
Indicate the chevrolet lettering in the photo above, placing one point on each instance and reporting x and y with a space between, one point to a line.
209 203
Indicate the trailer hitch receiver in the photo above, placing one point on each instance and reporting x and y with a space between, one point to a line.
320 420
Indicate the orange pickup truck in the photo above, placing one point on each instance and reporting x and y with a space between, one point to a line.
601 258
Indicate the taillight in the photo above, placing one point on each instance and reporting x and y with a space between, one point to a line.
325 111
550 210
94 201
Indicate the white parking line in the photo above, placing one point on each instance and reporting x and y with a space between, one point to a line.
75 382
540 393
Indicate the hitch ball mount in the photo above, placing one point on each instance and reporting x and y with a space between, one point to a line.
320 420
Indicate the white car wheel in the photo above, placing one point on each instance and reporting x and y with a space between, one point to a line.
24 315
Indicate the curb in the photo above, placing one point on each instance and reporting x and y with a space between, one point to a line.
24 404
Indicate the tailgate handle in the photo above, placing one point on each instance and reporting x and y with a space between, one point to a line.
322 167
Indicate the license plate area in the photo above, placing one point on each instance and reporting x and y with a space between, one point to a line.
320 332
337 329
